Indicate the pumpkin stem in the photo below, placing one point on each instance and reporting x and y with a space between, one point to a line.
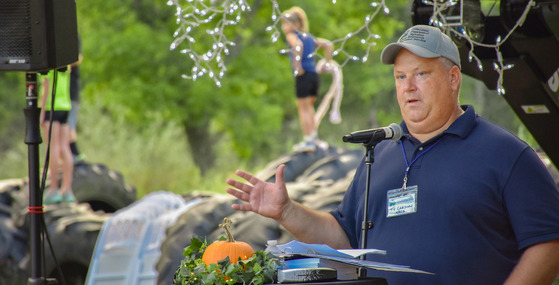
227 227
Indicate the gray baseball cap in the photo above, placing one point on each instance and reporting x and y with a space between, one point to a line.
423 41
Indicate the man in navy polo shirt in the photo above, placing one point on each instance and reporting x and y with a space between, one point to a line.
457 195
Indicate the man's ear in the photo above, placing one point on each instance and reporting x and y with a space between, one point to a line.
455 77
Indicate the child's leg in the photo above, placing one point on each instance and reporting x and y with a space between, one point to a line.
54 159
306 115
66 158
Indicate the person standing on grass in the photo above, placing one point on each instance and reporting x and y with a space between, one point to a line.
60 153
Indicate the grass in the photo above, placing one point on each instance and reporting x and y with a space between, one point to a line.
155 157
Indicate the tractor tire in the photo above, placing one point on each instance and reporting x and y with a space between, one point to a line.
295 164
102 188
19 201
329 196
333 167
13 242
73 230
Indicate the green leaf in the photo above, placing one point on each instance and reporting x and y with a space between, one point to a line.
231 269
196 243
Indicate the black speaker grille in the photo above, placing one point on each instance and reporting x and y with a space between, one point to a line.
15 29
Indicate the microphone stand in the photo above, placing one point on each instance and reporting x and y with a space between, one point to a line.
366 225
394 132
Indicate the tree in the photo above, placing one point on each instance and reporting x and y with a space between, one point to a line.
128 66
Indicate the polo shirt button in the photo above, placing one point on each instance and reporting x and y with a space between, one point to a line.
420 148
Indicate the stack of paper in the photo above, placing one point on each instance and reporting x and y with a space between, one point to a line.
346 261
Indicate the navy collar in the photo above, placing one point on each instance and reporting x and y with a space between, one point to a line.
464 124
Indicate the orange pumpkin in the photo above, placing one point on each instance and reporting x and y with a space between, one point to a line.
220 250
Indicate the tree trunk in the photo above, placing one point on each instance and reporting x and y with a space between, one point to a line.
198 136
201 145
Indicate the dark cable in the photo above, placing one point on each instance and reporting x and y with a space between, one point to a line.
44 230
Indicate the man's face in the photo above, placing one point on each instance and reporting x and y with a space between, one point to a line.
427 92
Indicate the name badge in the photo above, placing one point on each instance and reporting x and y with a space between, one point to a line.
401 201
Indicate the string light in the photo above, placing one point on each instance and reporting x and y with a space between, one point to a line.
196 15
216 16
499 67
439 20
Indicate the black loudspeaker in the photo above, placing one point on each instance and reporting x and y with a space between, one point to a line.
37 35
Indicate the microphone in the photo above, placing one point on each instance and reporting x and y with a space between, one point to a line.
374 136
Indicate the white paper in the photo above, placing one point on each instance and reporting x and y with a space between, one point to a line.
297 247
359 252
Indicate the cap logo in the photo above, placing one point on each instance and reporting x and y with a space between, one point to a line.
416 34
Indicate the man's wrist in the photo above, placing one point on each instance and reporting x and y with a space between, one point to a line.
287 211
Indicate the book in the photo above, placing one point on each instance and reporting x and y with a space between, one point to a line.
306 275
343 271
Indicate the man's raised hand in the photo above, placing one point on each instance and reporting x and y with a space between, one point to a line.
264 198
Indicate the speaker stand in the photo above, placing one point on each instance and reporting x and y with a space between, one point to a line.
33 139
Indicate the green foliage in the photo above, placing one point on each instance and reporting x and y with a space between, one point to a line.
13 150
258 269
130 69
13 98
